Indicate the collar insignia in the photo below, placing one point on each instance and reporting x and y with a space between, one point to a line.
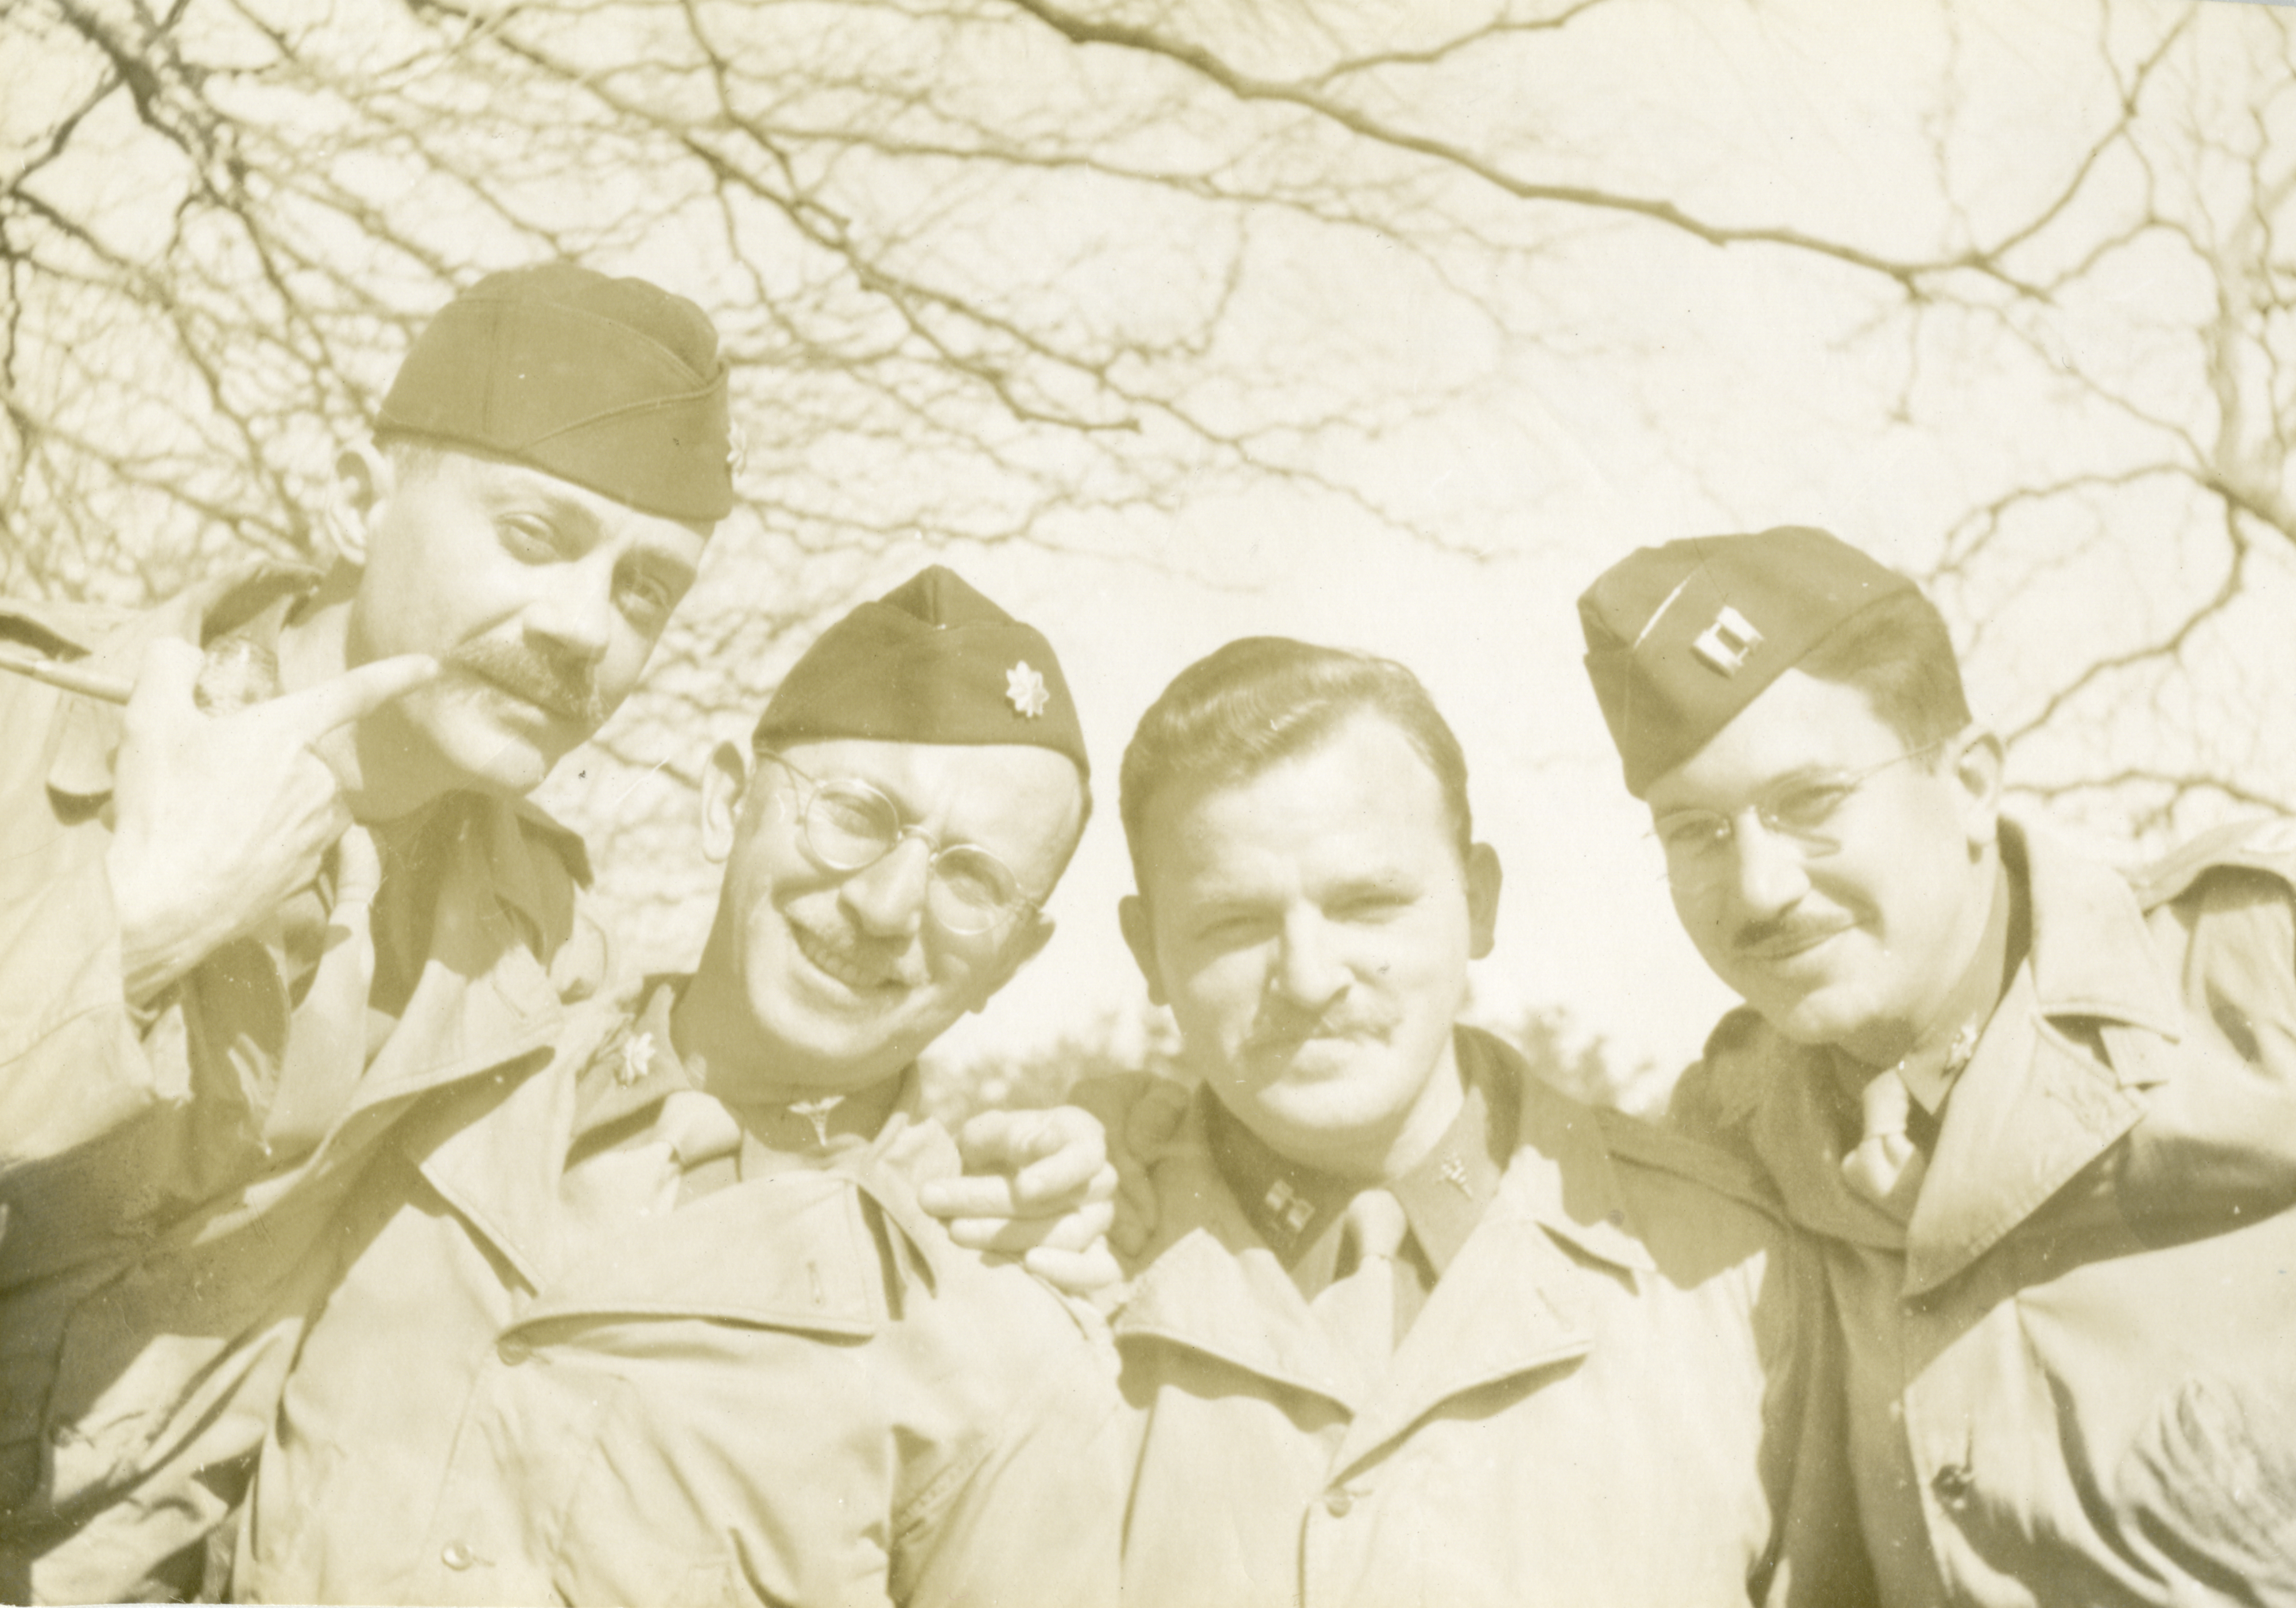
1290 1207
637 1059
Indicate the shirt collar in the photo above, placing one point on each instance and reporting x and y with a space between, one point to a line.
636 1069
1296 1209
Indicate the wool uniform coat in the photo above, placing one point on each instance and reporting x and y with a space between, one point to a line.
165 1171
1618 1392
792 1390
2100 1241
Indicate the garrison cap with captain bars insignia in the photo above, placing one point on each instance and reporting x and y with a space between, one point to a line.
615 384
930 662
1681 637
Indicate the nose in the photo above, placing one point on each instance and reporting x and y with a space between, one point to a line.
1767 873
574 610
1309 970
888 897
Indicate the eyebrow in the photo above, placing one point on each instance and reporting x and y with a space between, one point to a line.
1799 775
564 509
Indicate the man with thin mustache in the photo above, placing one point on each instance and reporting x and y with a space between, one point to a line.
245 927
2038 1115
1413 1328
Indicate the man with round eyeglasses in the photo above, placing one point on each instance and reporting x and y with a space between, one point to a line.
2039 1116
665 1323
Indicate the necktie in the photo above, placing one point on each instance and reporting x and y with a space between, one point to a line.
1359 1307
1885 1167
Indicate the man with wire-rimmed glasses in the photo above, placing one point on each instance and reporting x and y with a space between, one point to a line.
665 1323
2040 1116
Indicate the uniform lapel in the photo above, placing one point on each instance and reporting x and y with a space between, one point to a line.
1506 1306
792 1251
2038 1104
495 1150
1213 1285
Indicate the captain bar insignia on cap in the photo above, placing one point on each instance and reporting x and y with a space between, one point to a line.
1728 642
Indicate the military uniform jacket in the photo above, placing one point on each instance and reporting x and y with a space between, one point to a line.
1618 1393
2100 1245
794 1390
163 1172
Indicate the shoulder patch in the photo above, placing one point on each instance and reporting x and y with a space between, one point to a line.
2267 843
1639 1143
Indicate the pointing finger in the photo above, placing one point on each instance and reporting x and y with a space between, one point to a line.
358 692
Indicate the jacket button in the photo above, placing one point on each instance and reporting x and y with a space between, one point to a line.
455 1555
512 1350
1339 1503
1952 1483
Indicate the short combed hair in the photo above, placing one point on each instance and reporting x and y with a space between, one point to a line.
1900 655
1260 699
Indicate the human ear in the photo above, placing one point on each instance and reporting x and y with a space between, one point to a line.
1483 879
1140 937
364 482
1979 763
725 783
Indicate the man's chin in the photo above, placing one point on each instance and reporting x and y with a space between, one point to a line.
1816 1017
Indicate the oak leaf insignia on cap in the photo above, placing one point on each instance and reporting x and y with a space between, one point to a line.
930 662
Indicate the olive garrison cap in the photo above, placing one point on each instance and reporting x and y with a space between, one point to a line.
930 662
1681 637
614 384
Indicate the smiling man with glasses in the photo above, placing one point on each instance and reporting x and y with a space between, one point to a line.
2039 1116
665 1323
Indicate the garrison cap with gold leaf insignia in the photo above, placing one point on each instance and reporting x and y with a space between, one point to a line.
930 662
1681 637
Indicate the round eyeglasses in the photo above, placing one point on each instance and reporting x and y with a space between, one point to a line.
1802 810
846 824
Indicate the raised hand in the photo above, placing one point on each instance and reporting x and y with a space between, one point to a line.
219 818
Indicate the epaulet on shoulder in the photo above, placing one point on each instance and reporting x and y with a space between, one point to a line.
56 628
567 844
2267 843
1640 1143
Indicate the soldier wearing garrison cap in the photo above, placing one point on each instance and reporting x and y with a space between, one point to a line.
294 886
665 1323
1411 1326
2039 1115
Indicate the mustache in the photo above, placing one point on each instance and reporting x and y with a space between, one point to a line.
1282 1027
561 684
1785 931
